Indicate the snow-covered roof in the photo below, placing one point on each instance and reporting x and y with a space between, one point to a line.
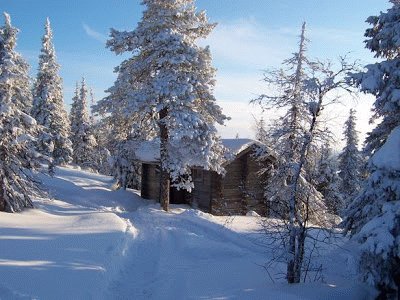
149 151
235 146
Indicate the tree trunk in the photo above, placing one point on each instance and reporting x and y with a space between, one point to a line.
296 254
2 200
164 176
291 266
299 255
294 272
290 272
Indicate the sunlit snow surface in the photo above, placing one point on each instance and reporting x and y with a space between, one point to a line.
91 242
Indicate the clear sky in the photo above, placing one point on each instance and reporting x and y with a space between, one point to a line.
251 35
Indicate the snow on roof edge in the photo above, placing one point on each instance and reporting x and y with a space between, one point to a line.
149 151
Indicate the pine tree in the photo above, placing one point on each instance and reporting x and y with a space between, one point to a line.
92 103
374 219
327 181
382 78
22 96
350 160
102 155
173 80
261 131
18 130
48 105
83 141
104 140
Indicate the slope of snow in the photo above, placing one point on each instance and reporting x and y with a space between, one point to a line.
91 242
68 247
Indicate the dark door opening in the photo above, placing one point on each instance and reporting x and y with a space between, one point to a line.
178 197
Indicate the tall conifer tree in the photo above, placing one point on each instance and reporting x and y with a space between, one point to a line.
83 141
374 216
171 80
22 94
350 161
328 180
48 105
373 219
17 129
382 78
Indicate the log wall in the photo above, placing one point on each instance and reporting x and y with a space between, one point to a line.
201 194
150 188
238 192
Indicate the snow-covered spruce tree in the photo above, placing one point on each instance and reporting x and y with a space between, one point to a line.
174 83
374 219
382 79
261 133
92 103
104 140
327 180
48 105
350 161
20 68
18 156
83 141
102 153
303 91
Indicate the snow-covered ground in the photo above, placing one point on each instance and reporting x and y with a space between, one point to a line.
91 242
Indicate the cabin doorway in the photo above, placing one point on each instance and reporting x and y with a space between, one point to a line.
178 197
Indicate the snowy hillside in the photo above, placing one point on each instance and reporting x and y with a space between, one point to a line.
91 242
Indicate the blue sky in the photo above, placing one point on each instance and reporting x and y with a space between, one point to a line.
251 36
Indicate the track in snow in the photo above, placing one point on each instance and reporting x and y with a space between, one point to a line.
91 242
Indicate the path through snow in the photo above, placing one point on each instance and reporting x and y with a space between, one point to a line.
92 242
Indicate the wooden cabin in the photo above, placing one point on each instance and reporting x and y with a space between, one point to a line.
236 193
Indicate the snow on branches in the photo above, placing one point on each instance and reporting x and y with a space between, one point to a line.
48 105
18 131
83 141
169 80
382 78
